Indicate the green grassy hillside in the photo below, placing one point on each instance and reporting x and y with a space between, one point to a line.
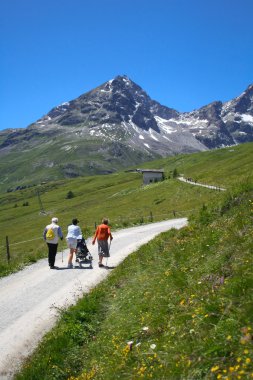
180 308
119 196
222 167
43 157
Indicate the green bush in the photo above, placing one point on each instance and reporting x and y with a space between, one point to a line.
70 195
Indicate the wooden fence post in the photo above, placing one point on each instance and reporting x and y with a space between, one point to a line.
8 250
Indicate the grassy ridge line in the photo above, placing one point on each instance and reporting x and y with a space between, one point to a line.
178 308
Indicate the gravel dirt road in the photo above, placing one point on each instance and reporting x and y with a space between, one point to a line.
191 182
31 298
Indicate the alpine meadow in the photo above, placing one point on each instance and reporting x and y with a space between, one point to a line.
178 308
126 190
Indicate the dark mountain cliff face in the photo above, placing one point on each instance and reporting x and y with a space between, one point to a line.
237 115
117 125
244 103
211 112
215 133
221 124
116 101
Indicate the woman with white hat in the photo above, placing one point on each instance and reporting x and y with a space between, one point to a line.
51 235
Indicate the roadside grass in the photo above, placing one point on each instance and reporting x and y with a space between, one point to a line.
181 307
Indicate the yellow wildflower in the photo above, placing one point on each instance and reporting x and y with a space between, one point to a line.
215 368
142 370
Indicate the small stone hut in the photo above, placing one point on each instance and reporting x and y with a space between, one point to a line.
151 175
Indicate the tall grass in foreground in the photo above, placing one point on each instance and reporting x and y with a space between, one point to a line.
178 308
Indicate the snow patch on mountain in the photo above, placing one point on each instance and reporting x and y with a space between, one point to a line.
164 125
167 138
247 118
168 129
152 135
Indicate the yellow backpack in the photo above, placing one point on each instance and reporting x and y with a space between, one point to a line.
50 234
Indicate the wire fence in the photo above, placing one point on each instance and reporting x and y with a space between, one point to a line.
120 222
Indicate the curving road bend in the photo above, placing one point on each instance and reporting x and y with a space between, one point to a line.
30 299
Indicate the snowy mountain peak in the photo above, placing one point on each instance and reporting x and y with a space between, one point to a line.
121 111
118 125
122 106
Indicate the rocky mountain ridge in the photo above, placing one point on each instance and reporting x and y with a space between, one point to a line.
117 125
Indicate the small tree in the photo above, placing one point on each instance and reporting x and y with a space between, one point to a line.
175 173
70 195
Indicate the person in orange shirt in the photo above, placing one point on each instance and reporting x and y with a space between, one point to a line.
103 233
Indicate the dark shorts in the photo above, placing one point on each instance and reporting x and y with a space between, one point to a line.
103 249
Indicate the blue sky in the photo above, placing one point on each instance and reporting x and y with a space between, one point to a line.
183 53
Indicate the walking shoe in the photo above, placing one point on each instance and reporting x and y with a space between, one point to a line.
53 267
101 265
70 266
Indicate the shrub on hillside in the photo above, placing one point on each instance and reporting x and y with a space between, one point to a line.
70 195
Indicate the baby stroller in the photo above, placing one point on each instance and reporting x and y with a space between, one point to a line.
83 255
